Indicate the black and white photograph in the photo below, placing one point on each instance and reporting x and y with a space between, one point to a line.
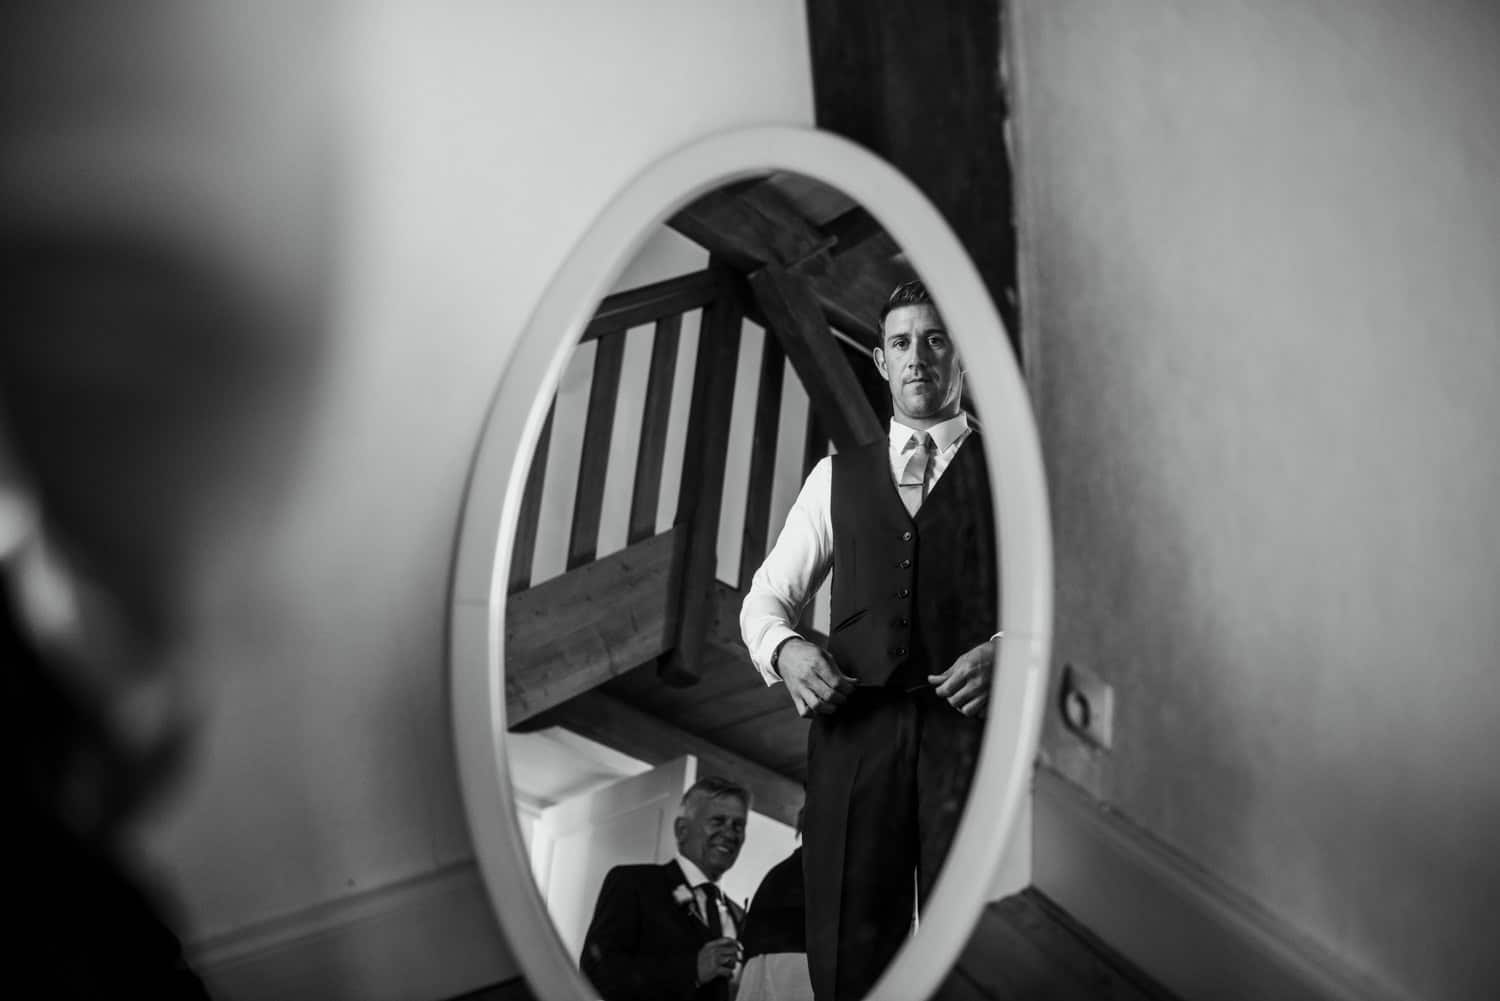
791 500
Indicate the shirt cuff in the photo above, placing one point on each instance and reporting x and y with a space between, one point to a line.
773 638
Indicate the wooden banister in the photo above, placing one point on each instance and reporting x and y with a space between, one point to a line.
649 303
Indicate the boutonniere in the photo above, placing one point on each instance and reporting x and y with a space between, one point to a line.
684 896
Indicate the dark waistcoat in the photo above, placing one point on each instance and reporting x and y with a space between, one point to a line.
910 596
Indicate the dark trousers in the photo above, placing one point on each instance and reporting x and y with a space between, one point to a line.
887 778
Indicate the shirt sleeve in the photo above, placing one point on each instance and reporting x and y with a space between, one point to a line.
793 571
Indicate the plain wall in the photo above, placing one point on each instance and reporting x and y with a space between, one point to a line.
483 140
1266 244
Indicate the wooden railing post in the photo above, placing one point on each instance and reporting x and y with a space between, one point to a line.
699 498
593 464
524 549
646 491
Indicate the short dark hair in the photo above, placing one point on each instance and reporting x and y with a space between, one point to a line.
712 787
912 293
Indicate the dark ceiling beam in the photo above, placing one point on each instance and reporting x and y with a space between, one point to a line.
852 265
854 227
920 83
751 228
795 317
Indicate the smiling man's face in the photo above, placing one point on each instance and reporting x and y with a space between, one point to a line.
921 366
710 833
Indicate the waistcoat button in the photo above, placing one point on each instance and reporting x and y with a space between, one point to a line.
906 536
904 564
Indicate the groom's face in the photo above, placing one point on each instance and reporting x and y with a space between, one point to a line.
710 833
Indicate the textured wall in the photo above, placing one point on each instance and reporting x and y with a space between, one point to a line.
1267 246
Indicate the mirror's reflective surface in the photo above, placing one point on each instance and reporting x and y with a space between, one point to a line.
751 599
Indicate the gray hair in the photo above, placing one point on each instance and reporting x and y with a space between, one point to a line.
712 787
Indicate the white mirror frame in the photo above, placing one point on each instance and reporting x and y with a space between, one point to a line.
508 441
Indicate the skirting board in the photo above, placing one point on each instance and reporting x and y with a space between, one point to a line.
424 939
1195 936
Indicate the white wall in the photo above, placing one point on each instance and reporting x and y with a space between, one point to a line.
1267 241
483 139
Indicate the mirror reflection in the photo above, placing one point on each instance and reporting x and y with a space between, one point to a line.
751 607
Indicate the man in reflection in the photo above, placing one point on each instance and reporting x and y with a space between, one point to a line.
666 932
898 695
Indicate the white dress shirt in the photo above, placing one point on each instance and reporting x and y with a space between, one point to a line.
696 879
795 567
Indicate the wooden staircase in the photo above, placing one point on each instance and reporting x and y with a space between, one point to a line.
638 648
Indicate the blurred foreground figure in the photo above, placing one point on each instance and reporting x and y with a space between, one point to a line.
163 232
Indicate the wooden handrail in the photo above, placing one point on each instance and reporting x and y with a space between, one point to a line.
636 307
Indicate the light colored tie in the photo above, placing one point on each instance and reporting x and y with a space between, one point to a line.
916 478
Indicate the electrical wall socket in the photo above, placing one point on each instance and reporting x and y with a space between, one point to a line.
1087 704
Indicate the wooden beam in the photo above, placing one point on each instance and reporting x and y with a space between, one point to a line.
921 83
852 271
852 228
699 498
852 287
650 303
571 633
629 730
794 315
757 226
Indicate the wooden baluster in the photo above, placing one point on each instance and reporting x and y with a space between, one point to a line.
700 497
647 488
531 505
583 539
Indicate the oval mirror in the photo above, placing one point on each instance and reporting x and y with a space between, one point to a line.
730 362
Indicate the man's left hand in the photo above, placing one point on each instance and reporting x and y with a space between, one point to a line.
966 684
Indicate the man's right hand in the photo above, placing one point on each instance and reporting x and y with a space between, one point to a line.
717 959
816 684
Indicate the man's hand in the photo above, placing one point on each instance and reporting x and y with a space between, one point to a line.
966 683
717 959
813 679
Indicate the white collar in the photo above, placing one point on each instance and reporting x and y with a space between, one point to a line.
695 877
944 435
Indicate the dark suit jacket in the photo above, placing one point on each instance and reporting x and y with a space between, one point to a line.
642 944
777 921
